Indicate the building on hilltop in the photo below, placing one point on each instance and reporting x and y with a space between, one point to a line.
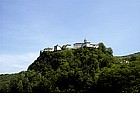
48 49
85 44
66 47
57 48
77 45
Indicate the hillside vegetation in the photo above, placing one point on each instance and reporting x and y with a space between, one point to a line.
79 70
130 57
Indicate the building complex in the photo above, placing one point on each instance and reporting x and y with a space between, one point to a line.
85 44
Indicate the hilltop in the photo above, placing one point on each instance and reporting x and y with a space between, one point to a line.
85 69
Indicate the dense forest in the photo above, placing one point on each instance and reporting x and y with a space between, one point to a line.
77 70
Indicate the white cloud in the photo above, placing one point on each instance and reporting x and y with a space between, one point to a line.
16 63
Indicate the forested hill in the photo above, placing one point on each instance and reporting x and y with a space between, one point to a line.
83 59
77 70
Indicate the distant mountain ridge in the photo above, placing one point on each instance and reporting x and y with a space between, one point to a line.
129 55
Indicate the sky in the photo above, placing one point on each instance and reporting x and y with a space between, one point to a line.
28 26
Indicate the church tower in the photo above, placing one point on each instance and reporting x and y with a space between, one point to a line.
85 41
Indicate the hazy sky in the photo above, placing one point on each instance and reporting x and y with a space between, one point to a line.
28 26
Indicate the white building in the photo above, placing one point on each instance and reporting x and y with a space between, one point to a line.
77 45
85 44
66 47
57 48
94 45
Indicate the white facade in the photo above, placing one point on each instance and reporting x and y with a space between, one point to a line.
94 45
66 47
85 44
77 45
57 48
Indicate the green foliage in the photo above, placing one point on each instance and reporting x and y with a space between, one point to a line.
80 70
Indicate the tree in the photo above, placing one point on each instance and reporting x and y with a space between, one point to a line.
20 86
102 47
133 58
110 51
56 90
